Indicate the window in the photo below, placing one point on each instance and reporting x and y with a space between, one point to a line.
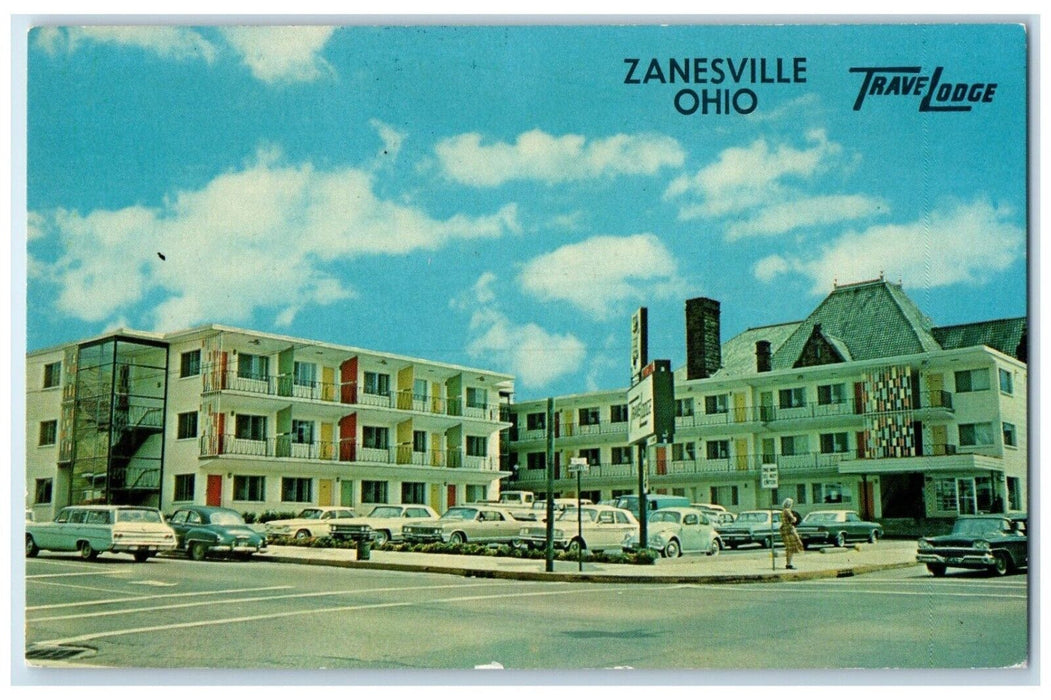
972 380
1014 493
945 494
377 384
42 492
588 416
621 455
791 398
250 427
976 434
249 488
374 437
373 491
1010 436
683 452
48 432
419 389
683 408
295 489
800 493
831 394
717 449
794 445
475 493
591 455
477 398
419 441
536 460
536 421
304 373
720 403
831 493
303 432
618 413
477 446
253 366
1007 382
190 364
833 442
184 486
52 374
413 492
186 425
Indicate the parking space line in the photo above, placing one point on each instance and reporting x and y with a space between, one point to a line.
804 587
319 611
126 599
110 572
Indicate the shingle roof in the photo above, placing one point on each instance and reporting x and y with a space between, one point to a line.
739 351
1005 335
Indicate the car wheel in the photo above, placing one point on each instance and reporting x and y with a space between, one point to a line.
457 538
713 550
31 549
874 537
732 545
380 538
1002 564
841 539
672 550
576 545
86 552
936 569
198 551
302 534
141 556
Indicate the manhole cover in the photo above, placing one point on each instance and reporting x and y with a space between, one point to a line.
60 652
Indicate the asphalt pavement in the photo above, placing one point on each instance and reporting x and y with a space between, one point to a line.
741 566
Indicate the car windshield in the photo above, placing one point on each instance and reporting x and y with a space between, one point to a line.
665 516
570 513
143 515
752 517
460 514
819 518
385 512
979 526
310 514
225 517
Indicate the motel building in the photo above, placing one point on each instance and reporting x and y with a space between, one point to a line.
256 422
864 405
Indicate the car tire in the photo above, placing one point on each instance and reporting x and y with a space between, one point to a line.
380 538
302 534
732 545
713 550
457 538
31 549
1002 565
936 569
87 553
576 545
841 539
198 551
874 537
672 550
141 557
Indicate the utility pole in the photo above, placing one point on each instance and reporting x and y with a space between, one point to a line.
549 556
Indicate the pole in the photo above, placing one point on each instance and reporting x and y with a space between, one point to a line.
643 539
580 527
549 552
773 542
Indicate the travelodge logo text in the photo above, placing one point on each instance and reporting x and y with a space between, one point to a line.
936 93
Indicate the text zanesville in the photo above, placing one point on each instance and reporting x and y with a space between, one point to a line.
716 71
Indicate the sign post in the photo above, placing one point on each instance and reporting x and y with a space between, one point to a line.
768 480
579 465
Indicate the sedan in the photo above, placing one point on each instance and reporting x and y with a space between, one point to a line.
837 527
597 528
311 522
384 524
997 543
673 531
474 523
204 530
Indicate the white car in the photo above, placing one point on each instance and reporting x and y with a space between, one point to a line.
673 531
136 530
600 528
470 523
384 524
311 522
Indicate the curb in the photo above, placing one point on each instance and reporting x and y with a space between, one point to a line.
470 572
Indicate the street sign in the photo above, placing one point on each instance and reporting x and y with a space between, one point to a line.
768 476
578 465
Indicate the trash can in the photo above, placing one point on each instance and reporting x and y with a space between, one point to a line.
364 549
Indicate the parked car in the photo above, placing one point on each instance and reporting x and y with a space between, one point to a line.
311 522
204 530
836 527
383 524
996 543
760 527
601 528
674 531
471 523
654 501
136 530
539 510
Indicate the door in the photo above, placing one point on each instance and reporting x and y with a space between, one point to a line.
324 492
450 496
966 502
214 491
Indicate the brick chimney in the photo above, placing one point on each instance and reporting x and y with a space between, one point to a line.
704 354
762 355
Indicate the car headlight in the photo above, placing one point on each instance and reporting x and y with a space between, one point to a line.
981 544
524 532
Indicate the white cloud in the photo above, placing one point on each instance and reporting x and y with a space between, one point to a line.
281 54
959 243
392 141
179 43
533 354
600 274
536 155
783 217
264 237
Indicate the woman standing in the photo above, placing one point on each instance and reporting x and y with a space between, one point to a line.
788 533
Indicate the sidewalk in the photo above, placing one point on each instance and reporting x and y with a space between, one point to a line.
743 566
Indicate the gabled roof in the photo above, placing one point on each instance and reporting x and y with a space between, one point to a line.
1008 335
738 353
867 320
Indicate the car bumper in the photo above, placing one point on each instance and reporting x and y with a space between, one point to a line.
421 538
971 560
542 542
133 548
237 548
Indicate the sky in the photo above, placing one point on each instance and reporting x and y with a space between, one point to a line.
505 197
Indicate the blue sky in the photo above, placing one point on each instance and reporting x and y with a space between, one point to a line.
499 197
